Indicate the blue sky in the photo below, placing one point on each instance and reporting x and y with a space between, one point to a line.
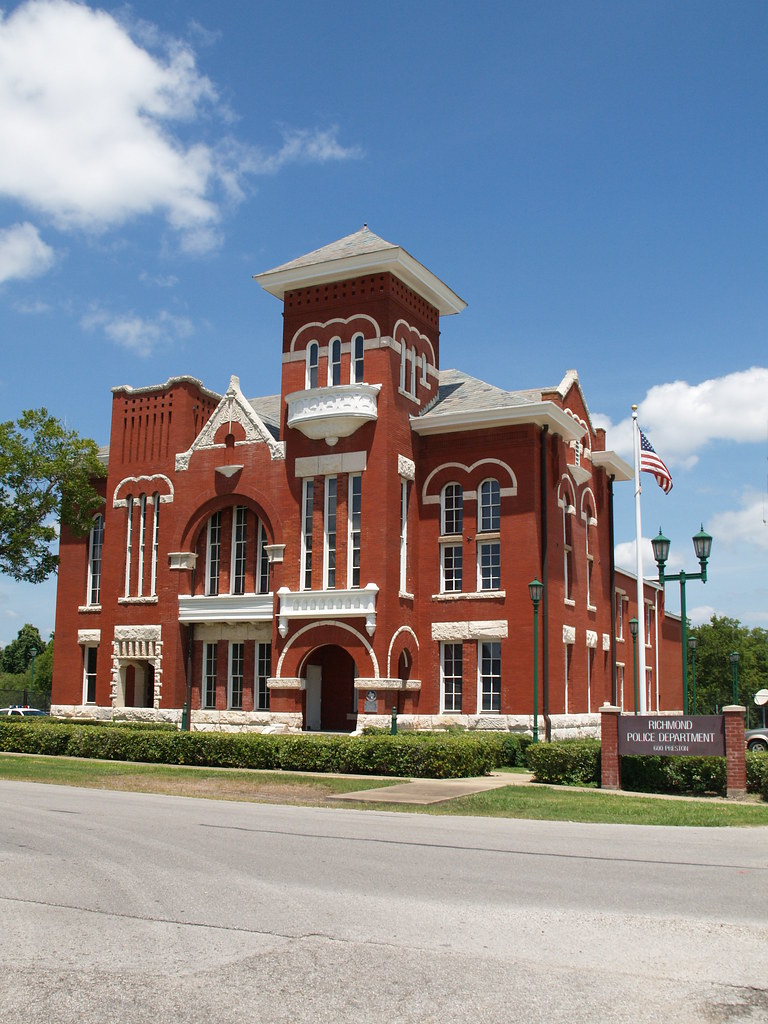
590 177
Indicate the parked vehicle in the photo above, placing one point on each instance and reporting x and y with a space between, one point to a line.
757 739
22 712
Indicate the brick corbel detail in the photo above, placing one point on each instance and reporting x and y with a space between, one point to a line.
735 751
610 763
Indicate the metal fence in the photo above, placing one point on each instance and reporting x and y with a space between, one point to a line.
9 696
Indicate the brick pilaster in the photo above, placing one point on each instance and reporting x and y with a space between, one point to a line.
610 765
735 751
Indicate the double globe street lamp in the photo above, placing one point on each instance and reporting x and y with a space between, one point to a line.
702 545
535 589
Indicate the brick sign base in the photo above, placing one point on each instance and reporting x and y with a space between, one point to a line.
674 735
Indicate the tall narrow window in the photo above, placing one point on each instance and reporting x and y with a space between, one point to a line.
413 372
334 362
263 672
313 356
142 543
567 555
239 524
155 543
128 544
589 525
403 536
619 616
490 675
214 554
452 676
403 364
490 506
95 545
451 565
307 503
489 565
620 684
353 543
424 368
452 509
649 688
235 687
649 620
89 674
210 665
330 532
263 587
358 357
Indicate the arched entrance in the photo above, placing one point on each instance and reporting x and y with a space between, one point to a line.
135 685
331 699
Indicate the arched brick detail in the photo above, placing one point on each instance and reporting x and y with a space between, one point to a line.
318 634
403 639
263 508
359 323
149 485
459 472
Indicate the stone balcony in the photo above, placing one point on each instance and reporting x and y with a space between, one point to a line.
328 604
226 608
326 414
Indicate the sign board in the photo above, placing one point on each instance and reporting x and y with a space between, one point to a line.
761 698
672 735
370 702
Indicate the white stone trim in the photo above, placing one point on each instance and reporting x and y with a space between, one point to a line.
328 413
329 465
138 632
316 326
591 639
606 641
569 634
323 624
380 683
288 683
398 631
226 608
182 559
320 604
89 609
406 468
480 629
275 552
418 335
89 636
506 492
470 595
145 599
165 499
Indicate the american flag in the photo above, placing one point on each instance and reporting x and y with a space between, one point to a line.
651 463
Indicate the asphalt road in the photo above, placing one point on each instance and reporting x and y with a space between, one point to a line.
120 907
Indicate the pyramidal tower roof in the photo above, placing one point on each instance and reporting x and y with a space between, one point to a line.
355 255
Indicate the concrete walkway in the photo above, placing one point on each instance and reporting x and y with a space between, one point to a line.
435 791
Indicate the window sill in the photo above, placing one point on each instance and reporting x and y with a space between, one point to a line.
487 535
405 596
476 595
569 601
89 609
151 599
591 608
409 396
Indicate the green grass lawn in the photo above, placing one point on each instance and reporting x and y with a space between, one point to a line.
526 801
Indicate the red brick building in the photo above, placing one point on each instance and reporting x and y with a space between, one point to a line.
360 542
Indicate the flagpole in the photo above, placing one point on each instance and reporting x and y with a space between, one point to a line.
639 567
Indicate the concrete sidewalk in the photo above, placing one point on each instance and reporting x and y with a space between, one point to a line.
435 791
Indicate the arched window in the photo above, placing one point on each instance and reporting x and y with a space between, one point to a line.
334 362
128 543
489 517
403 363
424 368
313 355
155 543
95 544
358 359
413 372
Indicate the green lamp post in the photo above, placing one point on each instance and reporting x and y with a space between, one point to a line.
702 546
734 660
535 589
692 641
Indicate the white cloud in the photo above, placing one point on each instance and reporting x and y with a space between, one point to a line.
85 126
746 525
624 557
23 253
136 333
701 614
680 418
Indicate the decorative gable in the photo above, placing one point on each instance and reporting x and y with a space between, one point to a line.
233 409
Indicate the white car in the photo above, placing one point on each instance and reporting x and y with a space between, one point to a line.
22 712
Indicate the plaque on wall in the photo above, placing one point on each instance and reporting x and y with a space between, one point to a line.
370 702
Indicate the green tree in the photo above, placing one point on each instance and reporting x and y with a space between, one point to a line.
716 641
18 654
46 479
43 676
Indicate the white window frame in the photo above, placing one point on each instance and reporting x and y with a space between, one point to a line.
649 622
456 510
262 567
413 372
489 506
357 361
142 543
213 555
236 647
495 697
451 572
354 523
334 362
330 531
488 544
128 543
262 668
239 549
620 682
619 615
312 369
307 509
568 555
155 543
453 710
95 553
210 661
87 673
403 536
403 360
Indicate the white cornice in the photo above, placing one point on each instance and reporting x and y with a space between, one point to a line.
394 260
613 465
540 413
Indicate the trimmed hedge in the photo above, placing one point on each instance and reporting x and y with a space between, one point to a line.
577 763
565 762
410 755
